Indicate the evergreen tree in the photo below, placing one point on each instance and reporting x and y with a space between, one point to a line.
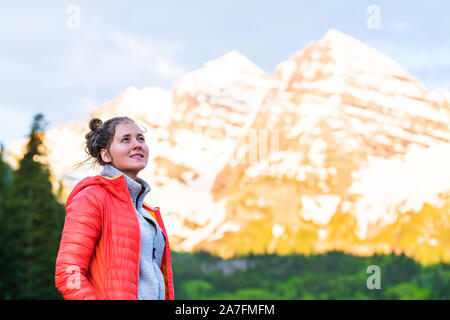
5 180
32 224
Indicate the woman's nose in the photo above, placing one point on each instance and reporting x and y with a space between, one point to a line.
136 144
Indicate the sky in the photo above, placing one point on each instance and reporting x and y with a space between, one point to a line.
65 58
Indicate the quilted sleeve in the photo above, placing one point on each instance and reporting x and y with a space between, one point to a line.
82 228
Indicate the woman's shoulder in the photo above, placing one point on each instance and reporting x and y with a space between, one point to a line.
89 191
93 188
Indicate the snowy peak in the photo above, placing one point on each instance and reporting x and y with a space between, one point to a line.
153 105
358 55
344 67
335 38
233 61
341 55
232 70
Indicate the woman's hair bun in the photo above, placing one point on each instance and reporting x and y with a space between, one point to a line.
95 124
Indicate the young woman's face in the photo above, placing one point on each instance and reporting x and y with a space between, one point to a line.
128 151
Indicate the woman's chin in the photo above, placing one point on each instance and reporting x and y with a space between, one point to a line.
138 166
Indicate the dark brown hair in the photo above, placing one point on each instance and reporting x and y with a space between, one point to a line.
100 137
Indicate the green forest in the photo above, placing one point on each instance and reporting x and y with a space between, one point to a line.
332 275
32 219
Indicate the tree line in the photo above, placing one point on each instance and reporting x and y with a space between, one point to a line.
332 275
31 222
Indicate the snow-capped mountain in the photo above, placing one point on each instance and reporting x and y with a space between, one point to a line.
355 134
340 149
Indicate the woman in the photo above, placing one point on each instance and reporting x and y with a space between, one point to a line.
113 245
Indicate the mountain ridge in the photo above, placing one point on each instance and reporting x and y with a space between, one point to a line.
330 142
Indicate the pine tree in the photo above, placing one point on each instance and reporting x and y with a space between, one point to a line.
5 178
32 225
5 181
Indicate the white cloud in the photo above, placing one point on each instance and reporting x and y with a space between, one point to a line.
122 60
87 70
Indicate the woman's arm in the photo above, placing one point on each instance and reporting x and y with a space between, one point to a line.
82 228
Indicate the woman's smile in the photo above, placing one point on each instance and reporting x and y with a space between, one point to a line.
137 156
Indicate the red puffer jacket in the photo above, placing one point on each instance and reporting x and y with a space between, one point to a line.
99 253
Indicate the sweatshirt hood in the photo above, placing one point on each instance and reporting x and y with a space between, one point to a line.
138 188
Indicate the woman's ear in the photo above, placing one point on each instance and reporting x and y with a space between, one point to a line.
105 156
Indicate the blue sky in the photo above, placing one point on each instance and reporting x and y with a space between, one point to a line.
65 73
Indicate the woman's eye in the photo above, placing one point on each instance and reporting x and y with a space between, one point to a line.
143 139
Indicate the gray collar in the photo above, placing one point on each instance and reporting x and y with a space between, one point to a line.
134 187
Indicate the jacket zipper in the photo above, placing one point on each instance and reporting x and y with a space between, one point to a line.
164 252
139 250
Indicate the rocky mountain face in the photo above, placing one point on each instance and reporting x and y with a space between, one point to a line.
340 149
347 143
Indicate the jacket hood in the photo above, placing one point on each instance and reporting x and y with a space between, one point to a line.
117 186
